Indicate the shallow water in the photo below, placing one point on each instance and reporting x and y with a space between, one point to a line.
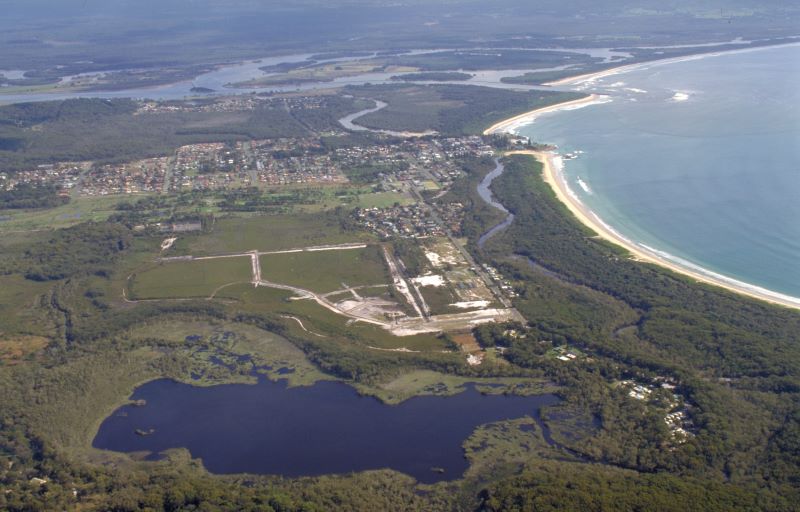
698 159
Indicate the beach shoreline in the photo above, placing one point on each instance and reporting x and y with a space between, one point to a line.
553 176
624 68
507 125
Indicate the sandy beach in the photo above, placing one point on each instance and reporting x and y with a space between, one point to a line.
593 76
511 123
552 173
588 77
553 176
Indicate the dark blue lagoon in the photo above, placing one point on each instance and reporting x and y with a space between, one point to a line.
268 428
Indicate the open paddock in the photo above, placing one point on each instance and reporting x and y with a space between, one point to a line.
188 279
326 271
271 233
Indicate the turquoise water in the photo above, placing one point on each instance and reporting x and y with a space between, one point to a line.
698 159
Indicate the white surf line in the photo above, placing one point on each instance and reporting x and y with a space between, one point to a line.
399 283
591 77
512 124
553 175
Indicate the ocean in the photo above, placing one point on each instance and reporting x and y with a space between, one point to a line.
697 159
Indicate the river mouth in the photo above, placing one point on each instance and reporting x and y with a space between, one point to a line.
326 428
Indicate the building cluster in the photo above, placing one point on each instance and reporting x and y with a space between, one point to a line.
457 147
452 215
502 283
564 353
293 162
413 165
412 221
237 103
142 176
208 166
677 418
65 175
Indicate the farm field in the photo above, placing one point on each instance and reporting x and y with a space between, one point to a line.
186 279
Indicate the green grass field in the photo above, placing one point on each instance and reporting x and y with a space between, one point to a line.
78 210
382 200
183 279
325 271
439 299
269 233
19 306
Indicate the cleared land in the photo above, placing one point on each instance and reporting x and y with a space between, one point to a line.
78 210
19 299
185 279
326 271
270 233
306 281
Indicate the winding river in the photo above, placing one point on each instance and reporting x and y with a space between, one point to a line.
485 191
348 122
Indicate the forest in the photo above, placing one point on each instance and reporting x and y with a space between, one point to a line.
26 196
450 109
632 321
737 360
105 131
